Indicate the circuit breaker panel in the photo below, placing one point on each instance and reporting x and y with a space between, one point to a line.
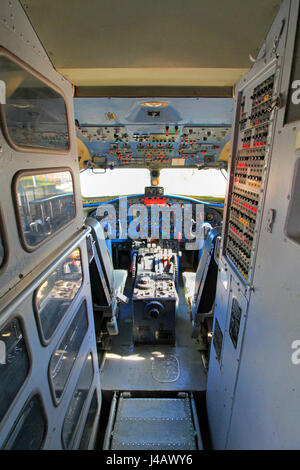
249 168
247 301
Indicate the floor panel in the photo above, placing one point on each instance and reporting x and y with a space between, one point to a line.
178 367
148 424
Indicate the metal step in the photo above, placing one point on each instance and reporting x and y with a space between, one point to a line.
153 424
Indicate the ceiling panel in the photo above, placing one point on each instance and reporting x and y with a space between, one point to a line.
87 40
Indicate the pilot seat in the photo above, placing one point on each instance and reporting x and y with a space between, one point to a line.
107 285
200 286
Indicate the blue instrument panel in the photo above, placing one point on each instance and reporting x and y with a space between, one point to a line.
154 133
201 213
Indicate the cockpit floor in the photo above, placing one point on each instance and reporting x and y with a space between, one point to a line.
177 367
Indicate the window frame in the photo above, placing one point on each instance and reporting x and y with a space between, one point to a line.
56 400
39 171
45 342
16 315
85 406
34 393
94 393
31 149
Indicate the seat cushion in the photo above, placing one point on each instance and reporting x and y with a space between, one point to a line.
120 276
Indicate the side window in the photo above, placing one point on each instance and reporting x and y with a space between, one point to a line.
77 403
34 114
64 357
89 423
30 429
14 363
45 203
54 296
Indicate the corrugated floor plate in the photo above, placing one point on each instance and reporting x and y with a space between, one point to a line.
154 424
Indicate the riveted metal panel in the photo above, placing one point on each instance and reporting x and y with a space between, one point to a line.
20 304
240 387
19 43
153 423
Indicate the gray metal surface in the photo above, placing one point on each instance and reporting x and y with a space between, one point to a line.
24 271
82 38
153 424
252 391
271 404
130 367
18 37
19 303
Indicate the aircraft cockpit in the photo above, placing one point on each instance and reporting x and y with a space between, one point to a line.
164 162
149 227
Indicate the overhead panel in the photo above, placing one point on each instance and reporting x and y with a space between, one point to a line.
160 133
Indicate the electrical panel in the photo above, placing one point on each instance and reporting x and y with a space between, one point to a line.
248 172
103 133
251 399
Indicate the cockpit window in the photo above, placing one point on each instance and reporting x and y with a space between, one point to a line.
183 181
192 182
45 203
114 182
34 114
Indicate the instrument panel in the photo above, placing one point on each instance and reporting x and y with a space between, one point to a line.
201 215
171 146
249 171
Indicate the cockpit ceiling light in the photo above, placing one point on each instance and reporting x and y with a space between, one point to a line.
154 104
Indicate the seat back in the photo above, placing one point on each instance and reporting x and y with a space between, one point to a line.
206 276
102 252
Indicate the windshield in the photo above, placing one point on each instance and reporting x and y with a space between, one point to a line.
114 182
193 182
188 182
